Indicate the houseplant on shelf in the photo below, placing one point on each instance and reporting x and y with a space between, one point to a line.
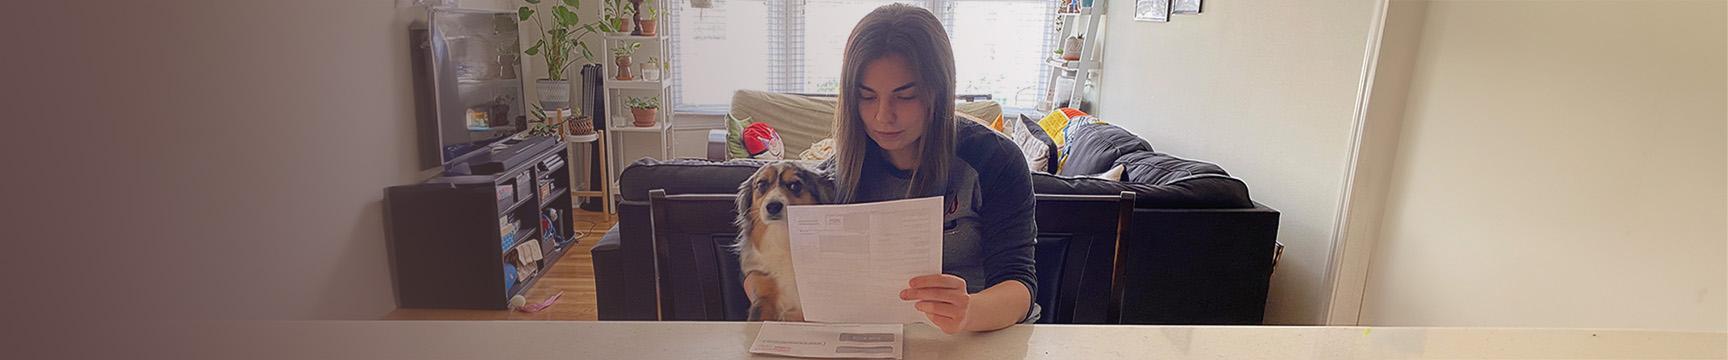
621 56
616 15
556 46
650 18
643 110
651 69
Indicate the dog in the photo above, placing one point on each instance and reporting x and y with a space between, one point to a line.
764 242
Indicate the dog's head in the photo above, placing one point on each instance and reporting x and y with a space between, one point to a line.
765 195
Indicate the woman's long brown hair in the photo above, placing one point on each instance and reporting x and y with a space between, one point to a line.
915 34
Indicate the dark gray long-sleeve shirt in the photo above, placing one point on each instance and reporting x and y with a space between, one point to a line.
988 222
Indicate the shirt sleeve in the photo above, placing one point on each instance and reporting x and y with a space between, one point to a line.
1006 213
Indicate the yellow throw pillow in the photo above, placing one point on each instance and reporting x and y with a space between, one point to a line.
1053 124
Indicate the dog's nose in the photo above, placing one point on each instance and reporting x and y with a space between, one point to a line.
774 208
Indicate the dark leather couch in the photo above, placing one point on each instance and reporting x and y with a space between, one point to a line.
1200 250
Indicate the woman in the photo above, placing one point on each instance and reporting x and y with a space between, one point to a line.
896 137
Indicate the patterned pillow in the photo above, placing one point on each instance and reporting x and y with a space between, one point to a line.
1036 147
735 137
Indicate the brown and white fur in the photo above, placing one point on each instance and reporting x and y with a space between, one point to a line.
764 242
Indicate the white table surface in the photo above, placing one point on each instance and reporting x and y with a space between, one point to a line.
728 340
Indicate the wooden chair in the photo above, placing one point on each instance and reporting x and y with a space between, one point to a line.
696 272
1079 257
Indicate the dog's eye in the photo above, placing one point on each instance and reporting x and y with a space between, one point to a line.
762 186
794 187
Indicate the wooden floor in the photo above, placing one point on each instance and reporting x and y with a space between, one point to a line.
574 275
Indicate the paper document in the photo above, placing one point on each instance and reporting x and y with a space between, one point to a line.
852 260
881 341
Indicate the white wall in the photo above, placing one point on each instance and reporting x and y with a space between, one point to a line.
1561 164
1267 89
208 159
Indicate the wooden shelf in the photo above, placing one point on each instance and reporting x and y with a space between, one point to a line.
522 286
553 197
517 204
523 234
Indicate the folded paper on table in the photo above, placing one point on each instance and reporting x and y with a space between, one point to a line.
852 260
881 341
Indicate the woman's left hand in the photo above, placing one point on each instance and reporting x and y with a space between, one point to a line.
942 298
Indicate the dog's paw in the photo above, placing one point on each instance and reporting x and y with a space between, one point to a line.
765 311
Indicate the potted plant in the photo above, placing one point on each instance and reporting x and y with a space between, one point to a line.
616 15
643 110
555 47
651 70
621 56
650 18
551 122
1071 47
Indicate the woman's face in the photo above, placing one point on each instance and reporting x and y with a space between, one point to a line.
892 103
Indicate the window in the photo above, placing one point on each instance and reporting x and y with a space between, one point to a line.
795 46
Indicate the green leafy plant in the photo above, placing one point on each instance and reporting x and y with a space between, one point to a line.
614 11
652 102
543 126
649 11
565 35
626 48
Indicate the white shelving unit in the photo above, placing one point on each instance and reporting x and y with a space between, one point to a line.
622 134
1088 22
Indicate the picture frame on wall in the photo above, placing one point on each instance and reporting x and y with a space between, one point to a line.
1152 10
1185 7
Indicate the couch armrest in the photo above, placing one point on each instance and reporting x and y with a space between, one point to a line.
717 144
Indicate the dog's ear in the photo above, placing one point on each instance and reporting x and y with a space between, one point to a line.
747 198
820 185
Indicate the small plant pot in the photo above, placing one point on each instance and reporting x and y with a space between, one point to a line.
1071 48
643 117
650 73
580 126
623 63
650 27
623 25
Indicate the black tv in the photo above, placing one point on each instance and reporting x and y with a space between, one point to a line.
468 91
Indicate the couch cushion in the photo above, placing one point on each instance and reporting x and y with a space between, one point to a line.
1206 191
800 120
1038 132
1093 148
982 111
684 176
688 176
1034 145
1158 168
735 137
804 120
696 176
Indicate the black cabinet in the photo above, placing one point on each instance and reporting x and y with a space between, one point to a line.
458 241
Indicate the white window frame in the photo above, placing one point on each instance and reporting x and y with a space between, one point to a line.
786 61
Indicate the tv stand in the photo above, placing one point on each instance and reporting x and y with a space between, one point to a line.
450 238
503 155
